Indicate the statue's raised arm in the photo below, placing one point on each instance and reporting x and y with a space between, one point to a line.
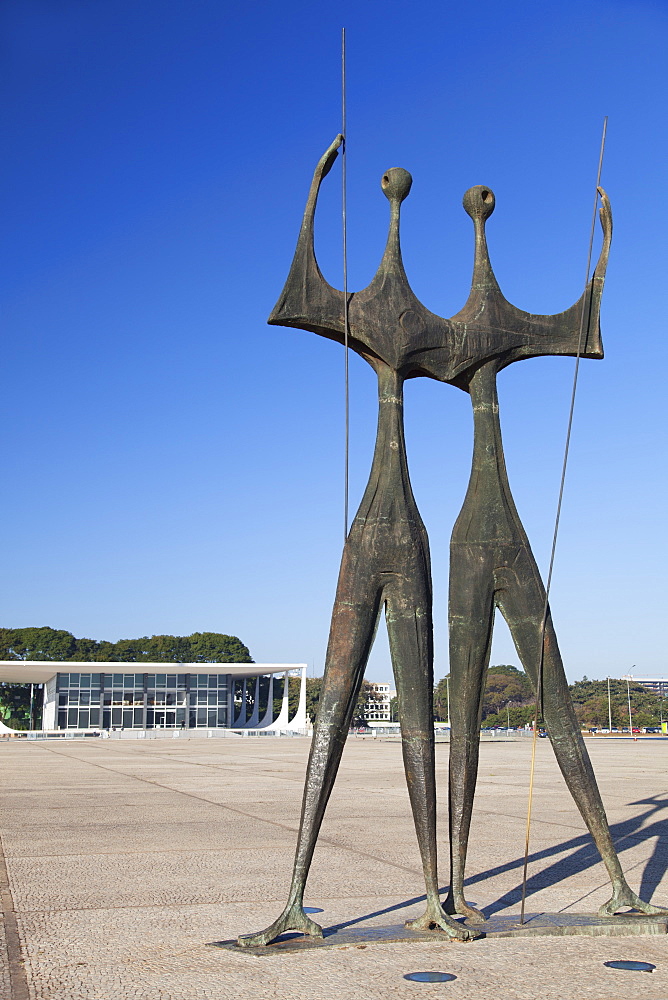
308 301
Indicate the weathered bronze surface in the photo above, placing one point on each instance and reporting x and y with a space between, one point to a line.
386 556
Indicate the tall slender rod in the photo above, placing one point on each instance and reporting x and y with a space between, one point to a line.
609 709
344 226
584 316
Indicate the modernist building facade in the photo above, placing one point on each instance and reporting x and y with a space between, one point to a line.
83 696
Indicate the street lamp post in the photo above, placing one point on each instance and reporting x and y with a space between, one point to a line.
609 709
628 696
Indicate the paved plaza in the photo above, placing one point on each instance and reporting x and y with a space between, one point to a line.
125 858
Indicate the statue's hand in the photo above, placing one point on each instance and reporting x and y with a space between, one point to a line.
326 161
605 215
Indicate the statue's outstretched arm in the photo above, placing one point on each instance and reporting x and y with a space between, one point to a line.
563 330
307 301
487 309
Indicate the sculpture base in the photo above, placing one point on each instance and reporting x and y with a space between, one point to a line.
535 925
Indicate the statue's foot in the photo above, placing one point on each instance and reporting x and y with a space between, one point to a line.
623 896
292 918
457 904
435 916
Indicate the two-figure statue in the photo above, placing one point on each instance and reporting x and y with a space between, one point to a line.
386 555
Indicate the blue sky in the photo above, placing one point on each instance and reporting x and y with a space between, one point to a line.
175 465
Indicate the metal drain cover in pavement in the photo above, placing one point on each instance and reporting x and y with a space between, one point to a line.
430 977
631 966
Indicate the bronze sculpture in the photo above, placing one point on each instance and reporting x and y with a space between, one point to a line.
386 557
491 564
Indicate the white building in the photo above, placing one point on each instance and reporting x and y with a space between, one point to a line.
377 709
94 695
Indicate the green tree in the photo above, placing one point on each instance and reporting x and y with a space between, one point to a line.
505 686
313 689
519 716
590 699
53 644
214 647
15 705
36 644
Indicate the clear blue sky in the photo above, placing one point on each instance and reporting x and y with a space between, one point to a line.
172 464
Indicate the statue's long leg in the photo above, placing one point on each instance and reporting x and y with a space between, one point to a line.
353 627
521 601
409 626
471 619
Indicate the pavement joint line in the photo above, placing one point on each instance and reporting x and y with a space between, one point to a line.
18 982
242 812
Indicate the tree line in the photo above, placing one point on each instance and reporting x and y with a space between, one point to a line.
509 697
56 644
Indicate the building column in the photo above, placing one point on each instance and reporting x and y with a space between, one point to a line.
49 705
230 700
269 714
282 721
144 703
255 717
241 719
299 720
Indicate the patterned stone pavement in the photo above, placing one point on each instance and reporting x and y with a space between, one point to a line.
125 858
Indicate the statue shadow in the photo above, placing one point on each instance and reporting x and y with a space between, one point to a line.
582 855
626 834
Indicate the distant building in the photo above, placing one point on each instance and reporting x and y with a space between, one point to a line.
657 685
377 708
99 695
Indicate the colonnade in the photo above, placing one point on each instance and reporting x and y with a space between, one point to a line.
268 723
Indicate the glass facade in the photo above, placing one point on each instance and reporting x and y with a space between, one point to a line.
79 700
142 701
208 700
